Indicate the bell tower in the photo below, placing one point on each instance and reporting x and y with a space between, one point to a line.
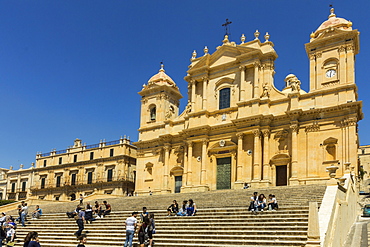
159 101
331 50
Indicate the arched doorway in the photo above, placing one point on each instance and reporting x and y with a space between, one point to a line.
177 172
280 165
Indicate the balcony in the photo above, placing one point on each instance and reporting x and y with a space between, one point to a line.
82 183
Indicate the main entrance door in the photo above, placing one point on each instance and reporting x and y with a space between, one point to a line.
281 175
224 173
178 184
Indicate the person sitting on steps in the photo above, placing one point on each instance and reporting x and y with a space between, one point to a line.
272 203
261 202
253 202
182 210
192 208
173 208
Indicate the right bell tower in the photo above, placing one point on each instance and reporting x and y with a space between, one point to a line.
331 50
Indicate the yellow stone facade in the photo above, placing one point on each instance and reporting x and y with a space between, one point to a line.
238 128
103 168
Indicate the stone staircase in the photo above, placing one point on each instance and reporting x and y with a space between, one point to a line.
222 220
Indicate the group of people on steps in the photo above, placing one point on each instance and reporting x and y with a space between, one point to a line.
259 203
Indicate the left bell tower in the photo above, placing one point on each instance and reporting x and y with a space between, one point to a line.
160 100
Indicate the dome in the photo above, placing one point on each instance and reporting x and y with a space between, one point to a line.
161 78
334 22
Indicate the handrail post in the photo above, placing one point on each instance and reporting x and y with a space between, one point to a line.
313 233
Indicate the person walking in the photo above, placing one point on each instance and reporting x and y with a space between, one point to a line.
24 214
80 221
131 224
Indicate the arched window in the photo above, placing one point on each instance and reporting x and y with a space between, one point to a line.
153 113
224 100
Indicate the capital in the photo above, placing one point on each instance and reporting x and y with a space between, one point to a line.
266 133
256 133
294 127
240 135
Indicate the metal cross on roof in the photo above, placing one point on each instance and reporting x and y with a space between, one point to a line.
226 25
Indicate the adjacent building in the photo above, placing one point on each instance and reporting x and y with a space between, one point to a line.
239 128
105 168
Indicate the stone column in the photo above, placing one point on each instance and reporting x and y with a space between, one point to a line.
205 81
256 80
257 156
312 72
266 161
166 167
193 82
350 64
294 168
185 174
342 65
319 71
242 82
203 166
190 155
239 164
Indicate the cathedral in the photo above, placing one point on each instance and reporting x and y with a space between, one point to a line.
238 128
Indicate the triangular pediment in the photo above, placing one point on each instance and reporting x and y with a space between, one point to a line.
224 55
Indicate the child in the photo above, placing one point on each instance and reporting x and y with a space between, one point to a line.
83 240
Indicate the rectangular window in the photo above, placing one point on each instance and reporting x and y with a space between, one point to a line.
109 175
58 178
89 177
91 155
224 100
44 163
42 183
24 184
13 187
73 179
75 158
111 152
60 160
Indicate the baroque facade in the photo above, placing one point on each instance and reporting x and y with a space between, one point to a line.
239 128
104 168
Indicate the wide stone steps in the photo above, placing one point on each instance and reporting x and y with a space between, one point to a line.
210 199
228 224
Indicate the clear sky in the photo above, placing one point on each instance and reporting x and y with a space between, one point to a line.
72 69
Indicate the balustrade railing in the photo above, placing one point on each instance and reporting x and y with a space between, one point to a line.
82 182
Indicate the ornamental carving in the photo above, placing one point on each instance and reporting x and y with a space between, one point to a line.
349 47
315 127
318 54
282 134
256 133
342 49
312 56
239 135
266 91
294 128
266 133
349 122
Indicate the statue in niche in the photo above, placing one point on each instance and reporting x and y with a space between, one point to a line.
266 91
170 112
188 108
292 81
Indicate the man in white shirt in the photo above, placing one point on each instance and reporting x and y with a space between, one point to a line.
130 223
24 214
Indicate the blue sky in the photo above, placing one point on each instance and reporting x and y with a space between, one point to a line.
72 69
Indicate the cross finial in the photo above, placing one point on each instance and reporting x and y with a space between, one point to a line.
226 25
162 67
331 11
